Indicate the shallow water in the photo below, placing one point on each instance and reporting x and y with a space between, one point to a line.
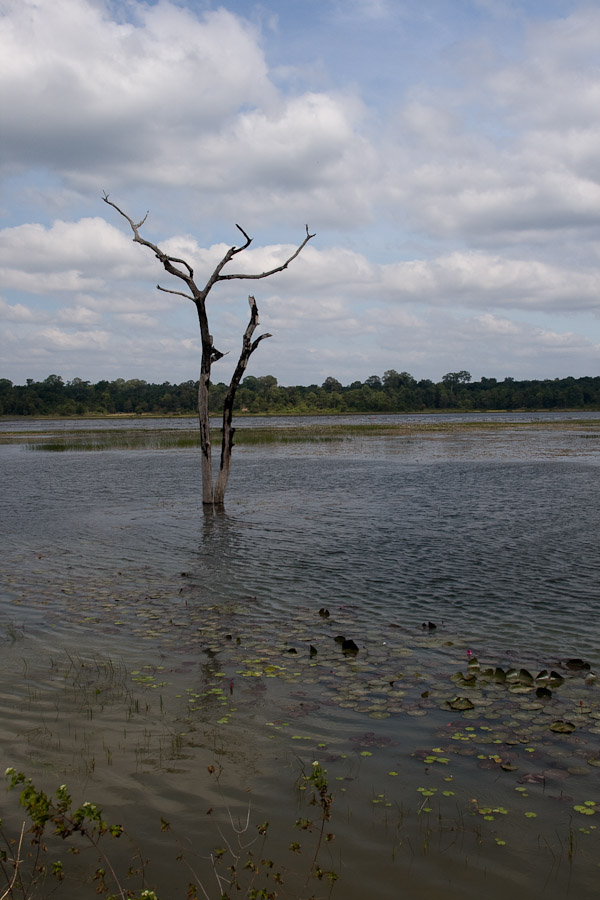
143 641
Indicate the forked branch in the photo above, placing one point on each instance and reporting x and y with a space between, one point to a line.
277 268
170 262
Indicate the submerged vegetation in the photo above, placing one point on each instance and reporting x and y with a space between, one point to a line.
393 392
55 827
502 758
91 439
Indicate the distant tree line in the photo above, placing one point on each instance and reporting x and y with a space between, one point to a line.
393 392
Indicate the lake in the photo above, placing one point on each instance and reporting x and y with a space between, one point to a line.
144 643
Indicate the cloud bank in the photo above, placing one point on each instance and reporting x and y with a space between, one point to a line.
457 207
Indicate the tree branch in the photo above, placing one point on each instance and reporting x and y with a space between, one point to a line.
165 259
248 348
248 240
255 343
280 268
179 293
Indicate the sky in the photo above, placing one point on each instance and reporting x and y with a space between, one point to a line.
446 154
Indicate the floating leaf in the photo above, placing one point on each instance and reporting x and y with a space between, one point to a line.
577 665
461 703
531 778
562 727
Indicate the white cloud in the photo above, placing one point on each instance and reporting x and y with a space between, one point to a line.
174 100
459 203
75 340
78 315
556 83
69 280
15 313
494 325
512 154
138 320
478 279
69 246
85 79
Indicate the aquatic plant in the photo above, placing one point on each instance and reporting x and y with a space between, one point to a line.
240 865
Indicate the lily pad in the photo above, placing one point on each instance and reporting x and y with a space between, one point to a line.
577 665
562 727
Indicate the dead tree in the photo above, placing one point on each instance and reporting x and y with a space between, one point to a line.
180 268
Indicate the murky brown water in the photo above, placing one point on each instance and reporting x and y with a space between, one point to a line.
142 642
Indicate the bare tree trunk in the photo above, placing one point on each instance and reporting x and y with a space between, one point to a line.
205 445
208 355
248 348
182 269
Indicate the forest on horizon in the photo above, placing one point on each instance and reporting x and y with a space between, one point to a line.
394 392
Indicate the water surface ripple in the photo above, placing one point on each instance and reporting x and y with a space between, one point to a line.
109 565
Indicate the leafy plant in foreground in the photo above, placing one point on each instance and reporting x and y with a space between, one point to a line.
240 866
55 815
316 781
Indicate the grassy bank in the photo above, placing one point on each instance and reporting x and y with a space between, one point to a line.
299 432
